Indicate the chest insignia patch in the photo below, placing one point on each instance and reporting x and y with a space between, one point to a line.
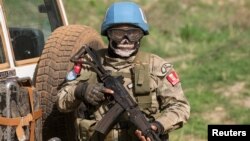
173 78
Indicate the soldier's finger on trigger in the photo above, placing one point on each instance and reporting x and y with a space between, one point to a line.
107 91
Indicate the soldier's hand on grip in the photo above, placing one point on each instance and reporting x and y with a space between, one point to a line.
155 126
91 93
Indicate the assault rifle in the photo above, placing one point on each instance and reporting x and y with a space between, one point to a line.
123 102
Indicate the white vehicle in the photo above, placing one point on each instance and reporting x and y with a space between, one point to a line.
36 43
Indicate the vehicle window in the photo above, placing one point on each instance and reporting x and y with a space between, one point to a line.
2 56
28 27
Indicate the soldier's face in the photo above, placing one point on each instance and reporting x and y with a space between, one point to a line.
124 40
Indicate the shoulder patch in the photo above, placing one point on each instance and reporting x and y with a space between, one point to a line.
165 67
159 66
173 78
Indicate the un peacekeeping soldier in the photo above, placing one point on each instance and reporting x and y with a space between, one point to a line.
150 80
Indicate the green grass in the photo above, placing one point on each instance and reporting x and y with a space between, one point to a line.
215 35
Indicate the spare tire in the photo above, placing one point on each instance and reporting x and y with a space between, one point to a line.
51 71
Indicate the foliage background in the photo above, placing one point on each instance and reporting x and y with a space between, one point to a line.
208 43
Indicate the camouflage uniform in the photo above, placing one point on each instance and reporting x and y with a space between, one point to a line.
149 79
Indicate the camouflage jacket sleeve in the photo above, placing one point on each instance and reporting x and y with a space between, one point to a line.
66 98
173 105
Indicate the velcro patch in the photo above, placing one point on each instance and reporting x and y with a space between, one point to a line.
173 78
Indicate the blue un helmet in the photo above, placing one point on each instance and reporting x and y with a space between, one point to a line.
124 13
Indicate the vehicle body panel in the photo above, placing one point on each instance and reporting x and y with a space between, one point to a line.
15 27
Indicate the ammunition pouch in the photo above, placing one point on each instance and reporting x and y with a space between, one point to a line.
85 129
141 80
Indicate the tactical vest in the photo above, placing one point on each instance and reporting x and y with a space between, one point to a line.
140 76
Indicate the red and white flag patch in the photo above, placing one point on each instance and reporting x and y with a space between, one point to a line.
173 78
